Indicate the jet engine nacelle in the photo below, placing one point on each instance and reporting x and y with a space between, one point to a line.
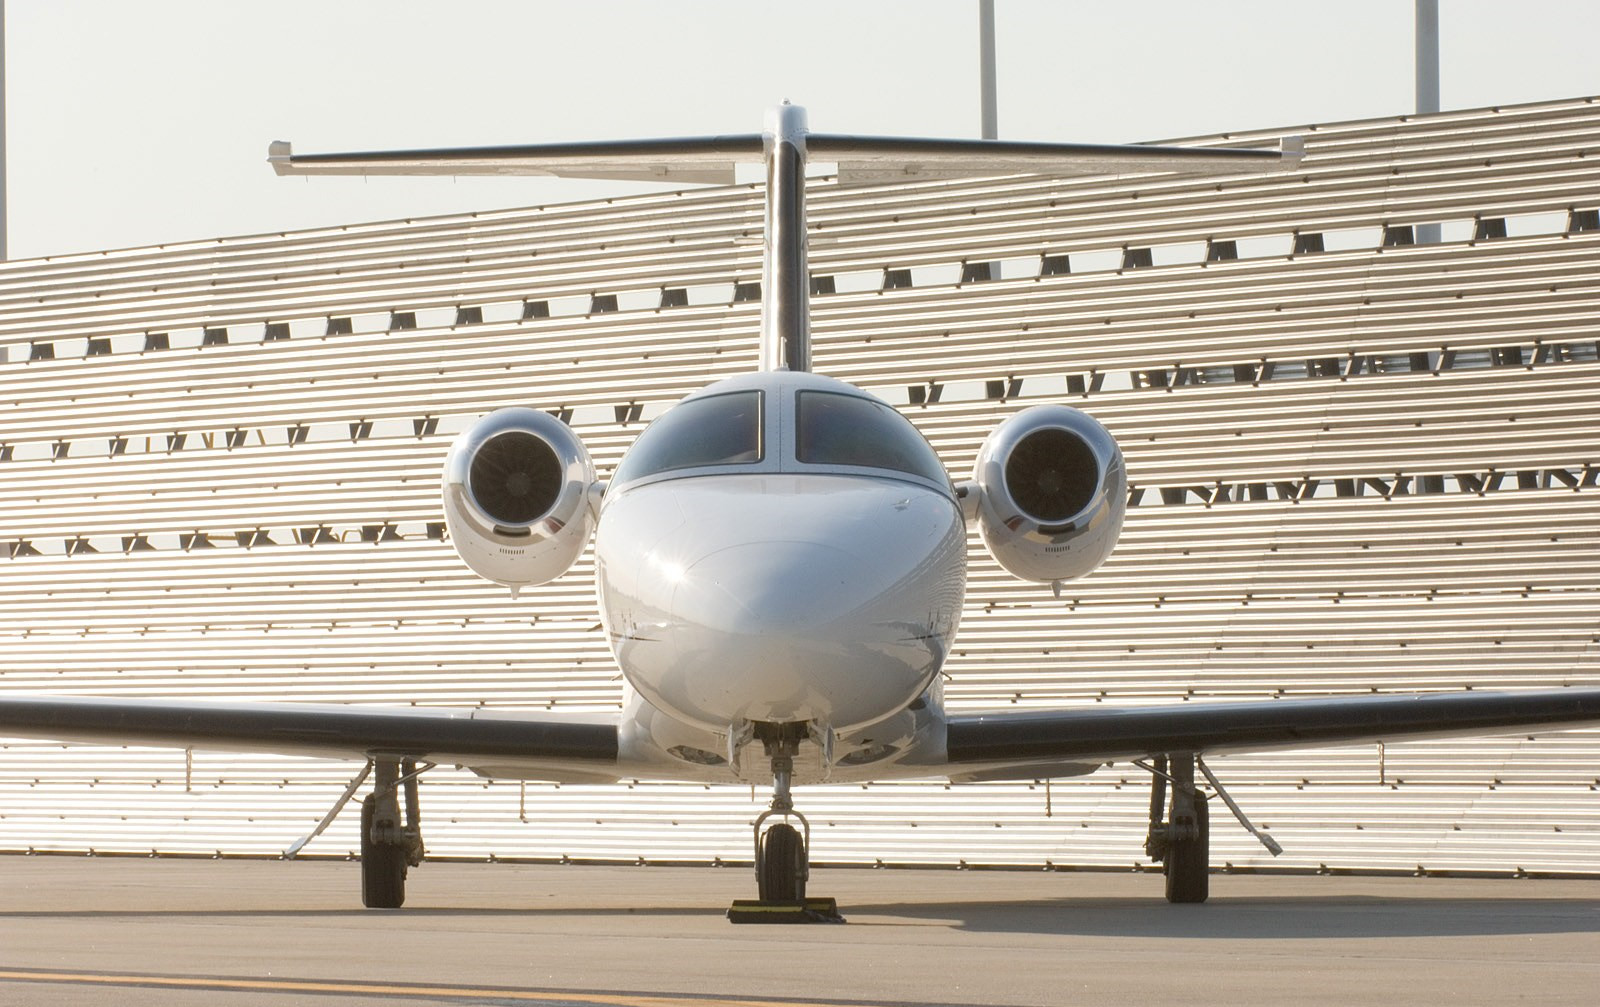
1051 491
516 497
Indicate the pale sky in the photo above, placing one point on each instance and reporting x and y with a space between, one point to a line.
139 123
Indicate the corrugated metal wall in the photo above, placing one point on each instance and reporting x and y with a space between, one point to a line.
1358 464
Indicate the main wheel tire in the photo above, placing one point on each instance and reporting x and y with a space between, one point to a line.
1188 862
383 865
783 865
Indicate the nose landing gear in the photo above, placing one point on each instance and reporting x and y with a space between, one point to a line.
782 852
782 864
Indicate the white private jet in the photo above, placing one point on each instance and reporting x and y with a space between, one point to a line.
781 563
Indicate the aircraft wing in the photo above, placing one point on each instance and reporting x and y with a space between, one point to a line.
1017 745
568 745
711 159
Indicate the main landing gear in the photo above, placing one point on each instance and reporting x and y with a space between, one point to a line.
782 860
1182 843
390 845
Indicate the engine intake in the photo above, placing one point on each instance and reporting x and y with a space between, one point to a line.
515 478
516 497
1052 492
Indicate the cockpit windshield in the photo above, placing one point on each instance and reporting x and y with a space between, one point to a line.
837 429
713 430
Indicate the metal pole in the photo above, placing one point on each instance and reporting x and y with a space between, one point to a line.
1427 83
1427 56
986 66
3 254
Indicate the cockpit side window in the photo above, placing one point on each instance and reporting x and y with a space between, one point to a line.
837 429
715 430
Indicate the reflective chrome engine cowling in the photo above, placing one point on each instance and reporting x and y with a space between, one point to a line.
1052 493
516 497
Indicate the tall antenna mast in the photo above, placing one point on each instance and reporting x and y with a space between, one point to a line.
3 221
1427 83
986 67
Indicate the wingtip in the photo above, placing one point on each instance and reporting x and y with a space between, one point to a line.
278 155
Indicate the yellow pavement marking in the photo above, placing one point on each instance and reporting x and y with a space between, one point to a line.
386 989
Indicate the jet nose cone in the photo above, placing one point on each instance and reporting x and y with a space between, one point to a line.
772 589
775 599
786 631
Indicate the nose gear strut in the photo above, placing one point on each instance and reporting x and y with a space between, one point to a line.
782 864
782 852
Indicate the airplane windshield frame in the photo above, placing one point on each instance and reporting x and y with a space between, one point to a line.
852 431
713 431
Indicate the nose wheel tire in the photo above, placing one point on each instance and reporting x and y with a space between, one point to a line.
383 865
782 877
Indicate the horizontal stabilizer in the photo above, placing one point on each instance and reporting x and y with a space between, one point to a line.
707 160
898 158
711 159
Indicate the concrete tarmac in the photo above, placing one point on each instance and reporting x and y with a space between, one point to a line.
246 933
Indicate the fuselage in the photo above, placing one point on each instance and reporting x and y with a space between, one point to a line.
781 548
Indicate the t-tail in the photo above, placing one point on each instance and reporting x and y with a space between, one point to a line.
786 146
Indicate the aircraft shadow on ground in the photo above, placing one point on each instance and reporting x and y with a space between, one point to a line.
1292 918
391 915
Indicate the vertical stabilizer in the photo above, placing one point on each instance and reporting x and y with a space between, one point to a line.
785 279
